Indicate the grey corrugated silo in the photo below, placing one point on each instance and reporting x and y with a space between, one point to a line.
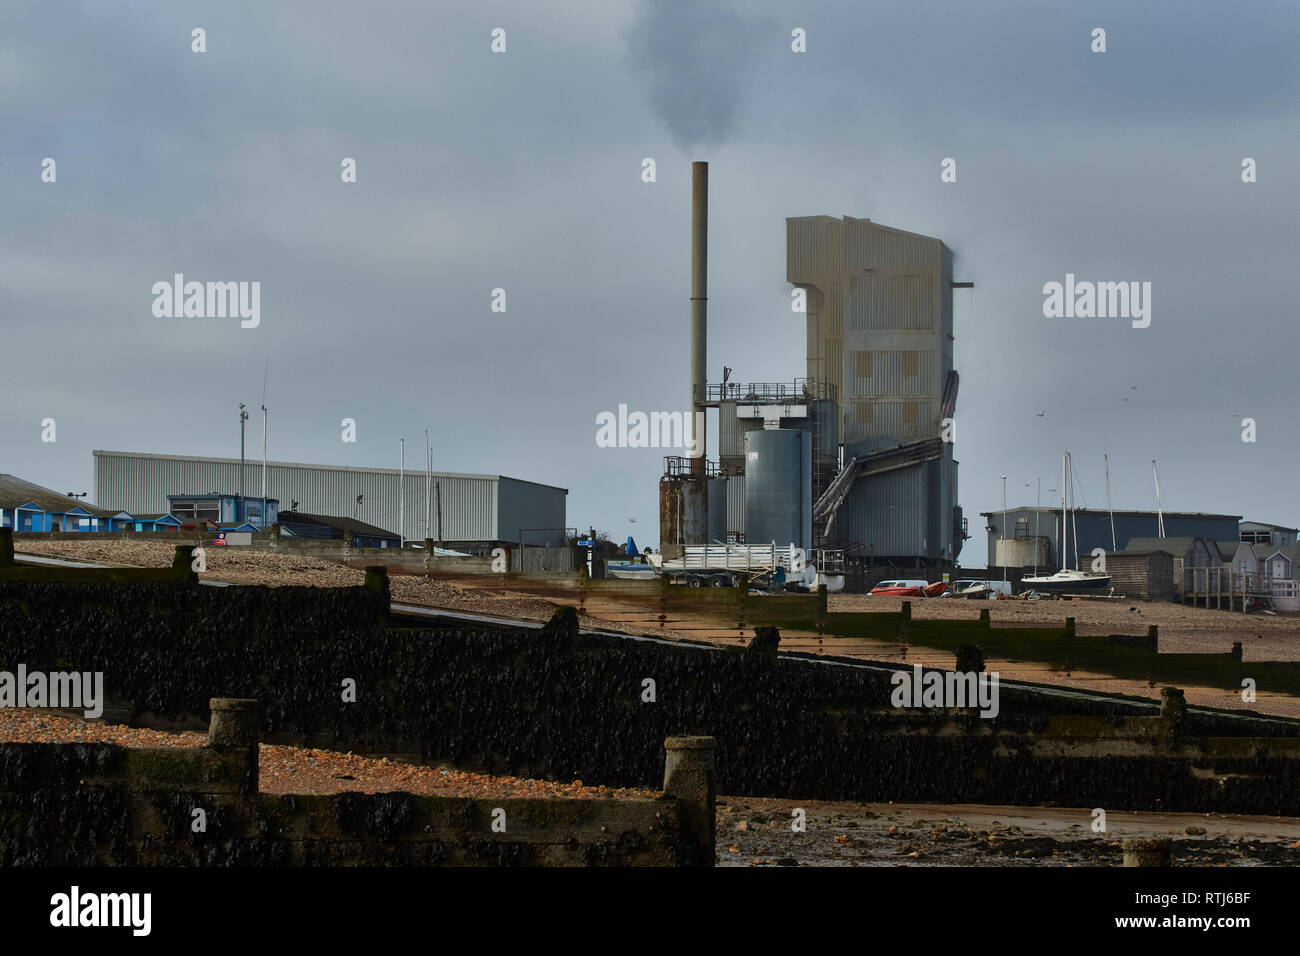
778 487
717 507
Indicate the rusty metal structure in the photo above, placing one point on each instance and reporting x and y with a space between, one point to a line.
683 503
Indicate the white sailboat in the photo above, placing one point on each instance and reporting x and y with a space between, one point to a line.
1068 580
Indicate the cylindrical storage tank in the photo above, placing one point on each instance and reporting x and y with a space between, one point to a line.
717 510
1020 552
683 511
778 487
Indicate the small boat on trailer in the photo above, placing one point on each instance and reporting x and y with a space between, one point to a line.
907 588
899 588
630 571
635 568
1068 581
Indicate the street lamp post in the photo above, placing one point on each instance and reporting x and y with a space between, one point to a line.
1004 528
262 519
243 417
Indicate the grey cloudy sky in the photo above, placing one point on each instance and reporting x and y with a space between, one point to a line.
479 170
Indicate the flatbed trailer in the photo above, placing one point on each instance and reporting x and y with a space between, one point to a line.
722 566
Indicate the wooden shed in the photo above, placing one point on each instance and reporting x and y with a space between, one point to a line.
1148 575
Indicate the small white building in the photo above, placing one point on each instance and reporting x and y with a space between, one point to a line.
1271 566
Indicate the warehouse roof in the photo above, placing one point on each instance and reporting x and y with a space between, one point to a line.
14 491
298 464
1174 546
219 494
1105 513
337 521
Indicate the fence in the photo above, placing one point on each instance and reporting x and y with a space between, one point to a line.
1225 587
105 805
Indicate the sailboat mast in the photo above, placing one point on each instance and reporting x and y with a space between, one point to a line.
1113 545
1160 515
1065 527
1038 513
1074 521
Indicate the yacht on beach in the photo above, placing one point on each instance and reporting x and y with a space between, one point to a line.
1068 580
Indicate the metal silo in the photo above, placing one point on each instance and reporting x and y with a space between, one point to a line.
778 487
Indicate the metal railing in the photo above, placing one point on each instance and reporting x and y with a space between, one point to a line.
801 389
680 465
828 560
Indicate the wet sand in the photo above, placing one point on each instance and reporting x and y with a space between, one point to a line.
757 832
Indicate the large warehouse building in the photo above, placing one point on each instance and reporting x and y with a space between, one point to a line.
1032 536
463 510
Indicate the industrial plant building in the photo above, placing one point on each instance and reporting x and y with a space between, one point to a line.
880 335
855 458
462 510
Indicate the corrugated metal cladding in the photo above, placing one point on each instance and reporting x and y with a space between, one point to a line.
731 431
892 301
1094 528
869 245
905 513
895 374
736 505
888 513
822 419
474 507
528 505
900 420
885 292
717 510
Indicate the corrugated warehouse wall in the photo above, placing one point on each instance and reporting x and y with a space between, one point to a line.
473 508
905 513
1094 528
890 513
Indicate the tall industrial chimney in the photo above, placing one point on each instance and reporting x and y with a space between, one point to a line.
699 308
683 495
